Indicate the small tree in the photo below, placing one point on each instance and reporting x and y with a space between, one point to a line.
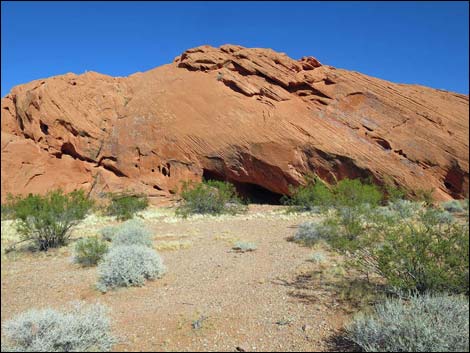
47 220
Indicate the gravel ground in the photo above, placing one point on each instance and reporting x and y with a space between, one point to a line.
264 300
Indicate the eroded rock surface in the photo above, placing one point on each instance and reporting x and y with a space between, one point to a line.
251 116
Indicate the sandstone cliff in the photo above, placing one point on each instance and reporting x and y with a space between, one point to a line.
251 116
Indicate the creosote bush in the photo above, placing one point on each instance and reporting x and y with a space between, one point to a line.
125 266
47 220
124 206
425 323
209 197
89 251
426 252
313 196
132 232
80 329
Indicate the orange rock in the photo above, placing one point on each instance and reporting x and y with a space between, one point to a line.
254 117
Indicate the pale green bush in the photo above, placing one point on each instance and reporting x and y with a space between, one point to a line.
129 265
309 233
244 246
132 232
82 328
423 324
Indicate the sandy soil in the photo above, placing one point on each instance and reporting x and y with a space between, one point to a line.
271 299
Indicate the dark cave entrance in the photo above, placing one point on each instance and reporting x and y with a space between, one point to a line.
254 193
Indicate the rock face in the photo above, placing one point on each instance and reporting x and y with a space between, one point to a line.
254 117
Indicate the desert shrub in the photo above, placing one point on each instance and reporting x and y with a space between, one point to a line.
209 197
242 246
132 232
393 192
124 206
465 204
317 257
309 233
452 206
425 195
47 220
125 266
404 208
347 193
82 328
430 253
427 252
7 211
89 251
313 196
107 233
354 193
421 324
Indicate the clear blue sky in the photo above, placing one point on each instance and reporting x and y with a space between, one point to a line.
406 42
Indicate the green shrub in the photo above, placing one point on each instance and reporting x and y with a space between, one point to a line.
430 253
421 324
209 197
80 329
313 196
125 266
452 206
89 251
124 206
393 192
132 232
426 252
47 220
425 195
354 193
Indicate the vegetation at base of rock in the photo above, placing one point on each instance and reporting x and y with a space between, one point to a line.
422 251
124 206
425 195
125 266
47 219
209 197
425 323
316 195
309 197
453 206
82 328
89 251
310 233
132 232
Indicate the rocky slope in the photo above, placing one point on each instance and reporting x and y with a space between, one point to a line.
252 116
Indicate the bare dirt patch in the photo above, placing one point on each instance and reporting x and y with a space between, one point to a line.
212 298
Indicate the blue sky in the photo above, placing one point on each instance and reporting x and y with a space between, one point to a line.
407 42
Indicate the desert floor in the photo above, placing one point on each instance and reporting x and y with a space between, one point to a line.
270 299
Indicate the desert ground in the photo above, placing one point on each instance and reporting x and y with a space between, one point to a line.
212 298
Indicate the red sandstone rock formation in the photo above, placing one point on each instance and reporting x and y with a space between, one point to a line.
250 116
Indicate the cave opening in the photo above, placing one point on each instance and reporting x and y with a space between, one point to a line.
254 193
